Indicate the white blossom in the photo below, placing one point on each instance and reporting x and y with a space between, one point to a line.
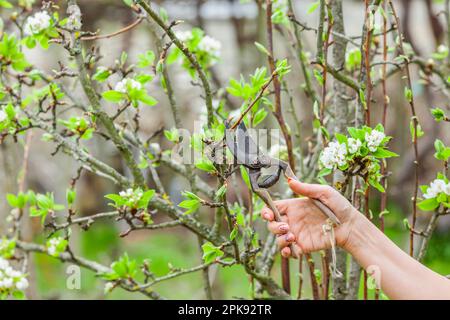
277 150
184 36
54 246
22 284
354 145
132 195
210 45
334 155
109 286
10 272
11 279
374 139
436 187
37 23
126 83
8 283
447 189
442 48
3 116
3 264
127 193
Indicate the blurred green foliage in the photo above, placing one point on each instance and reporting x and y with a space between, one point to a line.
180 249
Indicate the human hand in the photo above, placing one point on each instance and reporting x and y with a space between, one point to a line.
302 221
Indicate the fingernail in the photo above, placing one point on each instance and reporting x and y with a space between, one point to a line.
266 216
284 227
289 180
290 237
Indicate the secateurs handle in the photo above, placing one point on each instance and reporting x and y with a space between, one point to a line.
319 204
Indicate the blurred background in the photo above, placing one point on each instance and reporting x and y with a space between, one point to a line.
237 25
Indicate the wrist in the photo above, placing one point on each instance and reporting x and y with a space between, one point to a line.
360 232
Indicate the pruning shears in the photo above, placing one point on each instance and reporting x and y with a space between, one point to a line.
247 153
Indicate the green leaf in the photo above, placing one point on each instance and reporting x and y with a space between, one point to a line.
190 195
428 204
5 4
172 135
379 127
143 78
123 58
87 134
146 59
211 252
442 197
44 201
123 268
259 116
113 96
406 224
318 77
233 233
206 165
222 190
70 196
408 94
34 212
312 7
374 183
189 204
120 269
384 153
438 114
12 200
145 199
19 295
30 42
412 130
118 200
324 172
262 48
101 74
442 152
145 98
325 132
245 176
439 145
10 111
341 138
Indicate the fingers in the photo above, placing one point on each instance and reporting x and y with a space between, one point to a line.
282 206
286 252
285 240
278 228
267 214
330 197
315 191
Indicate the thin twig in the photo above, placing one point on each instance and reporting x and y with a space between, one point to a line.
191 57
415 123
111 35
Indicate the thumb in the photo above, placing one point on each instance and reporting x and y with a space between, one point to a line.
315 191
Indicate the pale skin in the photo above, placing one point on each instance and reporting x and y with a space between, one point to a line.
401 277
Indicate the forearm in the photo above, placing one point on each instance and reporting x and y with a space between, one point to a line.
400 276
